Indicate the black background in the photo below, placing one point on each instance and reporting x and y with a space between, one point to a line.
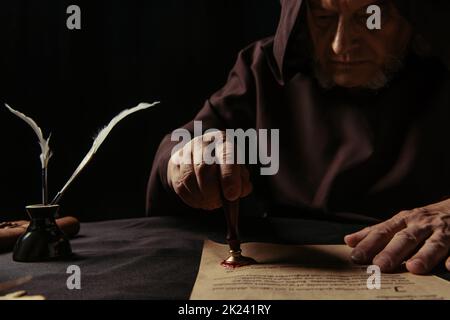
73 82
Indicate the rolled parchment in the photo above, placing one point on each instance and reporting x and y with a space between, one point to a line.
11 231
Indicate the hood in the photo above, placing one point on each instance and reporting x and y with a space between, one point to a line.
289 50
290 12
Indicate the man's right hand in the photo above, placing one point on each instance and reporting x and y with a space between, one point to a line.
201 185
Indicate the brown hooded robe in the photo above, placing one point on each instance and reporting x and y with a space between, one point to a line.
371 154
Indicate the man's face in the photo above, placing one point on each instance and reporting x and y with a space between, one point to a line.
347 53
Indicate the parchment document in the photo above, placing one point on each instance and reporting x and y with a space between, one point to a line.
304 272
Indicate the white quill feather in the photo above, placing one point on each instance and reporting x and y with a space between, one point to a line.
46 153
98 141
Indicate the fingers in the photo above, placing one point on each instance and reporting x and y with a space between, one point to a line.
207 179
377 238
390 243
401 247
202 185
434 250
353 239
230 173
186 186
230 179
209 186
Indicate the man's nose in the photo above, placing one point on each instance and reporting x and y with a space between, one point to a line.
343 39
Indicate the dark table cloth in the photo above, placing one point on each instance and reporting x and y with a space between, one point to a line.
155 258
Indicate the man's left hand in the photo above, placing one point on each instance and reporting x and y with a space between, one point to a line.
421 237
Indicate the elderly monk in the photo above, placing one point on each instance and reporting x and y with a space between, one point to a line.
363 118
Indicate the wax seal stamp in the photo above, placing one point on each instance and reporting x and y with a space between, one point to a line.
236 259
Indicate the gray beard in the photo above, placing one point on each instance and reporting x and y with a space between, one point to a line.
379 80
